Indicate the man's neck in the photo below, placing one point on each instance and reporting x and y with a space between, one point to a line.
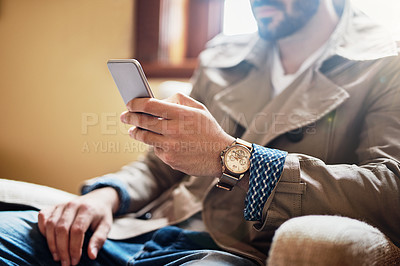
311 37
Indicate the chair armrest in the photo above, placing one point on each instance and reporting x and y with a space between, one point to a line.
17 195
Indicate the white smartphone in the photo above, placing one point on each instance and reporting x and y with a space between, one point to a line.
130 79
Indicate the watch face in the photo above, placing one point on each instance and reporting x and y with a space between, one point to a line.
237 159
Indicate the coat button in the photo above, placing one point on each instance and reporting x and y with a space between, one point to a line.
295 135
146 216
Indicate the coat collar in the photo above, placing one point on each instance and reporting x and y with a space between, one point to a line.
306 100
356 37
229 51
359 38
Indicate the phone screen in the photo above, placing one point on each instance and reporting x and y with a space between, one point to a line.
130 79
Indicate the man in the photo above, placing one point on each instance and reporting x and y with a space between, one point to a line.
316 97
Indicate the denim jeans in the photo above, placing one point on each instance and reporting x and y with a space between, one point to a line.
21 243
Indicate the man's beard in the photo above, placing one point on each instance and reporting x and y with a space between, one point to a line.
303 11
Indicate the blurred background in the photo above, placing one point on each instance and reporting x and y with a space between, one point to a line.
59 107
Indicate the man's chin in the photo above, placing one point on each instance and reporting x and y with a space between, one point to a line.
263 30
267 36
281 32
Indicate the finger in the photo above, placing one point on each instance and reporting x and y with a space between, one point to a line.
154 107
183 99
50 231
159 152
99 237
77 234
62 231
43 217
142 120
152 123
147 137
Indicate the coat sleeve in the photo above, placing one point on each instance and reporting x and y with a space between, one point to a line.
139 182
368 190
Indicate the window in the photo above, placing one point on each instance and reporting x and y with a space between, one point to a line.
238 17
171 33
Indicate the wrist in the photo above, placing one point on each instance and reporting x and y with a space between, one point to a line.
214 155
235 161
123 198
244 182
108 196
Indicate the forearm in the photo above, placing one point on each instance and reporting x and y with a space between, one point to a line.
305 185
369 192
137 183
109 196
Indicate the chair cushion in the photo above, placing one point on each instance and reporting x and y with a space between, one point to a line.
331 240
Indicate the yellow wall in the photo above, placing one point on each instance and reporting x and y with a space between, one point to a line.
59 107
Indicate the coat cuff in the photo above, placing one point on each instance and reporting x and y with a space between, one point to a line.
118 185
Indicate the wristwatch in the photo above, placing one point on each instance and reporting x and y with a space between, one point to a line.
235 160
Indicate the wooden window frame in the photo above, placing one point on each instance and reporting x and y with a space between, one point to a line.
171 33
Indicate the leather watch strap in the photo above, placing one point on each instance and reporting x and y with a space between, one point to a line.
228 181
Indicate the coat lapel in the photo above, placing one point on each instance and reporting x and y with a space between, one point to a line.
309 98
235 99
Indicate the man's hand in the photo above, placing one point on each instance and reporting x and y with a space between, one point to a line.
65 225
182 131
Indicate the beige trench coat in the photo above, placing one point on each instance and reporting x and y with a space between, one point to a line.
344 149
